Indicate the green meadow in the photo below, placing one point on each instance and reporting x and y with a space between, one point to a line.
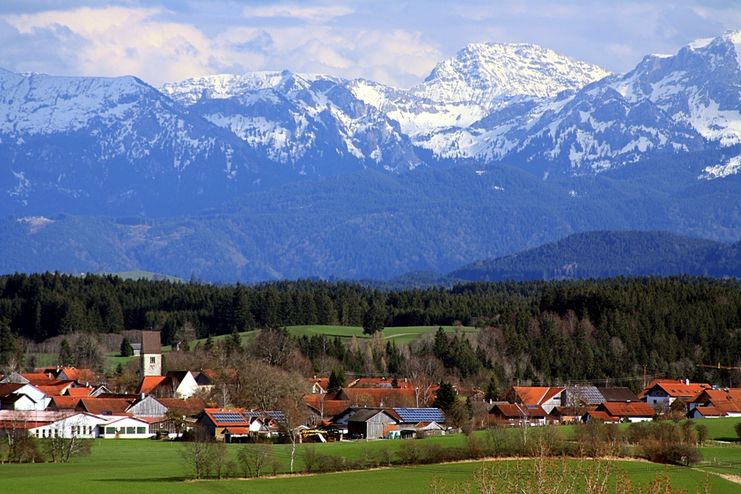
401 335
120 466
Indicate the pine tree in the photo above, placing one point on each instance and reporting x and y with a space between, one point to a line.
446 397
126 349
336 380
66 357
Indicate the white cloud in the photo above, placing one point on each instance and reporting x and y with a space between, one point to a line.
310 13
116 41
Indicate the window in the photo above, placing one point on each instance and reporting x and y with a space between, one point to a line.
152 360
141 430
110 430
131 430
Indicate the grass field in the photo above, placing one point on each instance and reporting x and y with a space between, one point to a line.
156 467
401 335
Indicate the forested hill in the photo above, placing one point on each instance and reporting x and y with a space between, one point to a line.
605 254
545 330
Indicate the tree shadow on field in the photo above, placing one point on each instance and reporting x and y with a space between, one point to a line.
145 480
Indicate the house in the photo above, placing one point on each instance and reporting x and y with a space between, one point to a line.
600 416
371 423
661 393
178 384
28 419
151 406
625 412
20 396
67 425
124 427
726 401
518 414
223 423
544 396
706 412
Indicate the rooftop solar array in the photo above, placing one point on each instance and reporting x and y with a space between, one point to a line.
228 416
589 395
273 414
414 415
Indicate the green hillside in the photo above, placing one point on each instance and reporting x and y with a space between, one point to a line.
604 254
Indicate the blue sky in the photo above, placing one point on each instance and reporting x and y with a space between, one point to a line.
395 42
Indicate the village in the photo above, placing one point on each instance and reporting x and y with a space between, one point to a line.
67 402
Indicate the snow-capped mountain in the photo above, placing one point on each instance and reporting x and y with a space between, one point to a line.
667 104
479 79
484 72
119 144
107 141
309 122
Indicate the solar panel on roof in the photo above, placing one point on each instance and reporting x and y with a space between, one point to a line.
228 417
410 415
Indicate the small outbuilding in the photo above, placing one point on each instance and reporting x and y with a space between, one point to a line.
371 423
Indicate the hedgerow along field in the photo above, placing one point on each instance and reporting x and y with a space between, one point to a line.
120 466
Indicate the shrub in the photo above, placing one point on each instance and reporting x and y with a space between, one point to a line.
738 430
702 433
673 453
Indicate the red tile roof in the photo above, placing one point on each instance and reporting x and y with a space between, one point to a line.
9 388
150 383
676 388
516 411
82 391
56 388
711 412
602 416
79 375
536 395
64 402
726 400
39 378
378 397
632 409
330 407
218 422
105 406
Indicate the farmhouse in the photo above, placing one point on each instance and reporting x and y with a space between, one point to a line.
124 428
661 393
518 414
623 412
546 397
716 403
20 396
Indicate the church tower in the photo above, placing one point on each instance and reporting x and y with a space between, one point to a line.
151 354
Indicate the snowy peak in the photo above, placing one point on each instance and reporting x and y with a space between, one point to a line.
483 72
224 86
42 104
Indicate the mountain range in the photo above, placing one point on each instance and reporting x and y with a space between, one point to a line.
276 174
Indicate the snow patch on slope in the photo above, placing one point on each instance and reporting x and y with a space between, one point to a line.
730 167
